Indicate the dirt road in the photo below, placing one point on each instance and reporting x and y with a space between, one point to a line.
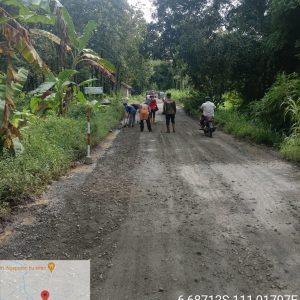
163 215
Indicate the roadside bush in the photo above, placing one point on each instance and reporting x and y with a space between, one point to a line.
271 109
231 100
191 104
50 146
103 122
179 95
290 148
47 155
243 127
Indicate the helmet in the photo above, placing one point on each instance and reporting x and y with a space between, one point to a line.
207 98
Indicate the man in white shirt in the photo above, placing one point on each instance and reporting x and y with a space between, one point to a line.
208 109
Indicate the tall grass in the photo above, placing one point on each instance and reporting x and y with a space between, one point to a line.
272 107
243 127
290 148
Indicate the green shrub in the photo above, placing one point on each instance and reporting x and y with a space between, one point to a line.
44 157
290 148
179 95
103 122
271 109
243 127
192 103
50 145
231 100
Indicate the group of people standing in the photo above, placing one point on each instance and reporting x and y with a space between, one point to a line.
147 112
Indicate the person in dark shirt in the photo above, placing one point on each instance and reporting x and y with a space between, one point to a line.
131 112
169 109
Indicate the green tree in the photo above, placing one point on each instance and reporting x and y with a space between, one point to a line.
228 44
118 37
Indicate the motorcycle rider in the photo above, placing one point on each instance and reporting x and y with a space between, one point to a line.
208 110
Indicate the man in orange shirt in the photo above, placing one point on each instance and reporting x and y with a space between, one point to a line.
144 116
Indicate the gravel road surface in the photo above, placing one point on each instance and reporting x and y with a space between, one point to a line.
162 215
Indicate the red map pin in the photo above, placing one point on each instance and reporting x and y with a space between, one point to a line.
45 295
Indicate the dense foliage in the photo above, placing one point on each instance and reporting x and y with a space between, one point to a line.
229 45
118 37
248 48
43 130
50 146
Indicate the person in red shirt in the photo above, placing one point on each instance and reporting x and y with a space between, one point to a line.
153 109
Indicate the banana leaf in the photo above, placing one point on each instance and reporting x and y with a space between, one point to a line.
35 19
103 62
87 33
79 42
17 84
100 68
28 16
69 26
66 74
52 37
69 84
11 86
41 89
18 37
44 4
89 51
86 82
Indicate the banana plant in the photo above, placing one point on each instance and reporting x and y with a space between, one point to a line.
84 55
56 96
27 12
71 39
16 39
11 85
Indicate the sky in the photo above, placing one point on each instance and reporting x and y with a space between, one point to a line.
145 5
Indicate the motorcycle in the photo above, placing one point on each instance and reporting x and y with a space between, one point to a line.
209 126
